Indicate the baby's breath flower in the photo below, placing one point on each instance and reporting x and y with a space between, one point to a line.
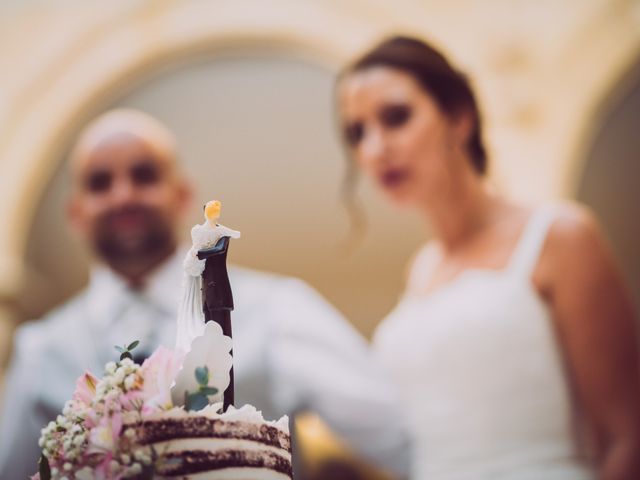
85 473
118 377
110 367
138 455
126 362
130 381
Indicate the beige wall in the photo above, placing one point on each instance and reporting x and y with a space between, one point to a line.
541 70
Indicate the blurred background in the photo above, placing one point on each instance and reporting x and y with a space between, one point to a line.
247 87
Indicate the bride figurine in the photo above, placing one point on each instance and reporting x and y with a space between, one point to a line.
206 235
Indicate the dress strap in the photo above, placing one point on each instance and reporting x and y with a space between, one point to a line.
421 268
525 257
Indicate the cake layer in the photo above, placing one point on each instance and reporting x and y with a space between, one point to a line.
237 444
218 462
162 430
215 444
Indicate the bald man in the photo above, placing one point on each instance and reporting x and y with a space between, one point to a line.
129 196
292 350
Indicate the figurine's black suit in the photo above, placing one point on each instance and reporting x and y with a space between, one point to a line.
218 300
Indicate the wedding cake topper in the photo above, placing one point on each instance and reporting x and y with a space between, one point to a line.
206 260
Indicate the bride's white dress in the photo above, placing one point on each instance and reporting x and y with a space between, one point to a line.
481 375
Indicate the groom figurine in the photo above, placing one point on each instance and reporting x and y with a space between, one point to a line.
216 289
218 299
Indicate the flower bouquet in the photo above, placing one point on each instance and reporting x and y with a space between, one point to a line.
97 437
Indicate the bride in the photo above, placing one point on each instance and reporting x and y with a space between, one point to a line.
514 344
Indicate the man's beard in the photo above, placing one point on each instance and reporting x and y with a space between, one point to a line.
138 250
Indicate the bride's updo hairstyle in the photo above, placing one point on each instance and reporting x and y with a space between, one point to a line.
447 86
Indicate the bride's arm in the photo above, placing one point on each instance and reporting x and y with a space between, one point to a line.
597 329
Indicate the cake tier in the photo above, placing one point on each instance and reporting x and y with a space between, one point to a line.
198 446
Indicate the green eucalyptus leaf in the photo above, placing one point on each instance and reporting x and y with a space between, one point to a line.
208 390
133 345
202 375
196 401
43 468
126 355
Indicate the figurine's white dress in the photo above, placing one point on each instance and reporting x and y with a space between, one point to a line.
203 236
481 374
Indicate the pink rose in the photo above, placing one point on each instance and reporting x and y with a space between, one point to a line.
159 372
103 469
85 388
104 436
129 401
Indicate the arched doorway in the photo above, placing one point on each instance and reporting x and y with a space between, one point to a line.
611 171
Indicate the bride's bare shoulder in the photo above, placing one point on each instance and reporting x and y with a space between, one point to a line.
575 241
573 223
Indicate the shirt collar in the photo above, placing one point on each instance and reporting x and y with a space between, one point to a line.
164 284
108 291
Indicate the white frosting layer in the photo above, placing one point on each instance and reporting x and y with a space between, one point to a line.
246 413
